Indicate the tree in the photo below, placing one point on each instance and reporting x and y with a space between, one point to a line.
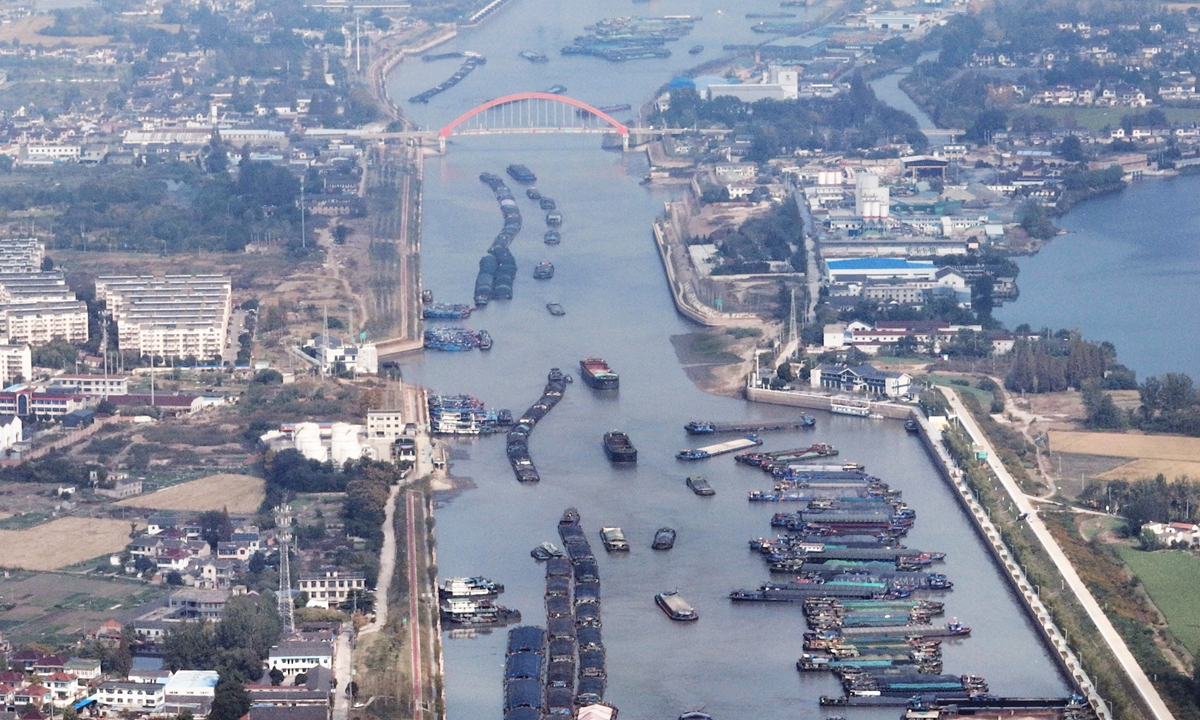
1071 149
215 527
276 676
185 715
257 563
70 714
174 578
230 701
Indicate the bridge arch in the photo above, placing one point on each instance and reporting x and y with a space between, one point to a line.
617 127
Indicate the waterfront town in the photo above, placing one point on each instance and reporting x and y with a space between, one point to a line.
262 459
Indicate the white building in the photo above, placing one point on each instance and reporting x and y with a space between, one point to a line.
1185 534
10 431
330 587
43 322
21 255
777 83
354 358
172 316
190 690
133 697
385 424
91 384
16 361
294 656
871 202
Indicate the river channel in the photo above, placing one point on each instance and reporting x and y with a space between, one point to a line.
737 661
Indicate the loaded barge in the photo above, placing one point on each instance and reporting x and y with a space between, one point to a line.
597 374
517 447
718 449
618 447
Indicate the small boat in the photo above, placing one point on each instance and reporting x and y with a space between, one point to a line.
554 219
546 203
545 551
552 237
696 50
533 194
543 270
695 715
426 296
618 447
614 539
470 587
555 309
911 425
534 57
675 607
664 539
483 340
555 375
700 486
557 89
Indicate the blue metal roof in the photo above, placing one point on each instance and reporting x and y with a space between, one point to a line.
878 264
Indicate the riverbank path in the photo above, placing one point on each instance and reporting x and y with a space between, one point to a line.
1025 505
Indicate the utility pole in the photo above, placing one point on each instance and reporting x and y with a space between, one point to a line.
358 42
303 238
152 380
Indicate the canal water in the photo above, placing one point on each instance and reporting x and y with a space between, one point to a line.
738 660
1125 272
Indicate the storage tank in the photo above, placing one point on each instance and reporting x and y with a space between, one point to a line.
307 439
343 443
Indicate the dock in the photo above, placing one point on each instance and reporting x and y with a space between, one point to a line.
718 449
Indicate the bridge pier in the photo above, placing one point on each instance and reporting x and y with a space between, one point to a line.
441 144
625 142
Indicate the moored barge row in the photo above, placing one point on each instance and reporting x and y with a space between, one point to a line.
517 445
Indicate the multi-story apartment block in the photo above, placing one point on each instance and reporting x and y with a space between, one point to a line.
172 316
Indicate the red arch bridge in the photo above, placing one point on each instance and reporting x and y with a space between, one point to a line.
530 113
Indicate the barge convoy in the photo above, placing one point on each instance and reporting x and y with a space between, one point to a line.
498 268
473 60
517 445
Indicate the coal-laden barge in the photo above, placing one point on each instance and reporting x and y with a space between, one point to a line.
517 447
498 268
473 60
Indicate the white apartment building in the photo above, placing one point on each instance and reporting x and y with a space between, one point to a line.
15 361
21 255
173 316
386 424
43 322
330 587
134 697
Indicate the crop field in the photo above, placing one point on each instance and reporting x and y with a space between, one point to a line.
62 542
1148 468
52 608
240 494
1151 447
1171 578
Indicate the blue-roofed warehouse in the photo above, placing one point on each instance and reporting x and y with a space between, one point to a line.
841 270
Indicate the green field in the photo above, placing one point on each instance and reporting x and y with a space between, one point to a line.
984 397
1097 117
1172 577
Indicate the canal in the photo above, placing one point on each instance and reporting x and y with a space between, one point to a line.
737 661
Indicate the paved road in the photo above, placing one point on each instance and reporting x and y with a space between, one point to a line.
414 617
1024 503
387 566
341 671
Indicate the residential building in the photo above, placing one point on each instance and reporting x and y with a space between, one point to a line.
21 255
36 695
83 668
64 688
171 316
294 656
331 351
16 363
198 604
130 696
860 378
1176 533
90 384
330 588
386 424
122 489
43 322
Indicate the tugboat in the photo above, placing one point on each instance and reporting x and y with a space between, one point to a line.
614 539
533 194
664 539
543 270
700 486
555 309
483 340
552 237
520 173
598 374
618 447
545 551
675 607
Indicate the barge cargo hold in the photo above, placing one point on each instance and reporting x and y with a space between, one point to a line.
675 607
664 539
705 427
597 374
618 447
718 449
700 486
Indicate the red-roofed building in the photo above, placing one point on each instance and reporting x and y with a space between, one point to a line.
24 658
64 688
49 664
109 631
12 677
35 695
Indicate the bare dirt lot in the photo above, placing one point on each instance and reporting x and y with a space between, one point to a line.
26 30
61 542
240 494
1148 468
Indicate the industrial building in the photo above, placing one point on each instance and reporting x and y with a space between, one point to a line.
777 83
174 316
323 442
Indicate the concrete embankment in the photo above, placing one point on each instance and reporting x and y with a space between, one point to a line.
682 291
824 401
949 471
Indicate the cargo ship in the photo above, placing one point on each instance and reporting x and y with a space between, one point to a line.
543 270
618 447
707 427
664 539
675 607
447 311
718 449
596 373
614 539
520 173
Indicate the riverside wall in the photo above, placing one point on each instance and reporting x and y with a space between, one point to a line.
824 401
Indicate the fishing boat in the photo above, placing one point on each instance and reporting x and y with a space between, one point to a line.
543 270
618 447
614 539
555 309
664 539
700 486
675 607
